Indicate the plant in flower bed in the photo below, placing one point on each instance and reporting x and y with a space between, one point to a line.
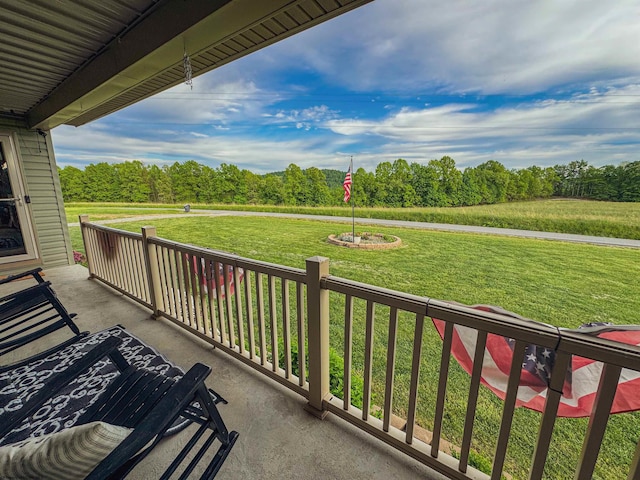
79 257
366 237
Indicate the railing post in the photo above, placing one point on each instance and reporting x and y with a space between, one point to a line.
317 335
153 271
87 247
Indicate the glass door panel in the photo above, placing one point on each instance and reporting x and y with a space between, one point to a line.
16 239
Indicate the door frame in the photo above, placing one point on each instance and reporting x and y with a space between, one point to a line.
9 143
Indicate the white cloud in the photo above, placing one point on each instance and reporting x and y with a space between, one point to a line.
305 118
214 100
601 127
259 155
493 46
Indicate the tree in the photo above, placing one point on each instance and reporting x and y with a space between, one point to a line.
363 189
400 189
449 181
229 184
186 181
317 191
494 182
72 183
132 177
382 184
101 183
294 186
253 185
272 190
159 185
424 180
630 182
470 193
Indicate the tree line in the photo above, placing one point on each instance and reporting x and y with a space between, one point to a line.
439 183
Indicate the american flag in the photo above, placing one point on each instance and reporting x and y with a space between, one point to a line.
225 276
582 377
347 185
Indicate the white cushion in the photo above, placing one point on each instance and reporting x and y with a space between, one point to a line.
69 454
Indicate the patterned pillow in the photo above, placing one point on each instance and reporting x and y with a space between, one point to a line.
69 454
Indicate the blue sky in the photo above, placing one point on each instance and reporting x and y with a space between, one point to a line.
525 83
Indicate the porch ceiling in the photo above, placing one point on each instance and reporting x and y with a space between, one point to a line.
73 61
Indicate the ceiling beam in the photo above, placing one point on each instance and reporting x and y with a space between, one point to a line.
167 22
157 44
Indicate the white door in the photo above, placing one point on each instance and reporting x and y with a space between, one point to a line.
16 234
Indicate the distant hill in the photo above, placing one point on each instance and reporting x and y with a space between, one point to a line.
334 177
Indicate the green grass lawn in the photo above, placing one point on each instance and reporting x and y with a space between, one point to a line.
559 283
582 217
107 211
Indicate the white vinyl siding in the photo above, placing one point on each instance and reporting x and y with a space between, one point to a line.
35 154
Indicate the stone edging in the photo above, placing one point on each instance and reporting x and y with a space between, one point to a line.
365 246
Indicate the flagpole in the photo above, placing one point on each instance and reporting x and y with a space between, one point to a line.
353 207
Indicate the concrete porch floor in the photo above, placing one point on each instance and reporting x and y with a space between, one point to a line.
278 438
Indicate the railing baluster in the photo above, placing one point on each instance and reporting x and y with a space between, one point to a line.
508 409
188 291
368 360
125 258
96 254
228 304
302 367
132 282
216 269
553 395
195 267
180 284
472 402
121 263
117 263
598 421
108 261
261 320
204 288
164 282
391 365
171 272
137 279
98 239
286 327
104 271
248 300
209 276
274 323
96 268
442 388
103 255
238 302
415 376
348 349
142 269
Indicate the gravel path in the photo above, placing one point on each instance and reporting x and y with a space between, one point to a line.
510 232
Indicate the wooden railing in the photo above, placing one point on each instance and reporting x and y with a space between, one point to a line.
277 319
117 258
